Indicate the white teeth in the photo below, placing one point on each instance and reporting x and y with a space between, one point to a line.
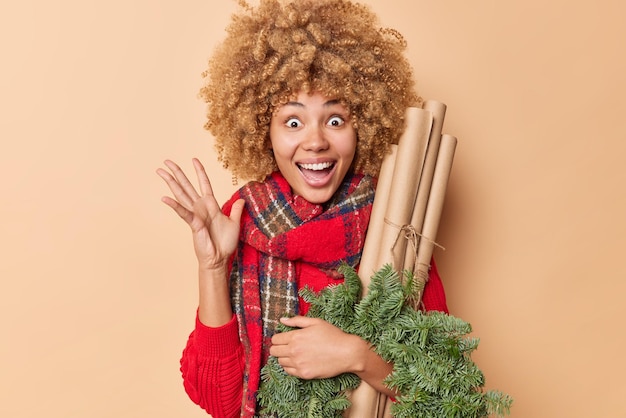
316 167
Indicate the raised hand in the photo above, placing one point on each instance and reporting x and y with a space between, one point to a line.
215 235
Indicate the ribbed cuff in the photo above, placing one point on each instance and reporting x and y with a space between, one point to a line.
217 342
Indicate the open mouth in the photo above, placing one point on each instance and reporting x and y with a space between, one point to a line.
316 171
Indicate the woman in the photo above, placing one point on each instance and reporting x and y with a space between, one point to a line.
304 98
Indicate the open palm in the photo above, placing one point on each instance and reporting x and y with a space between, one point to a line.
215 235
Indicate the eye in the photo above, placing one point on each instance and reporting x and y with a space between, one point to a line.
336 121
293 123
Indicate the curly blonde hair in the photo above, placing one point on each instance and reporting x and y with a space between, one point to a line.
280 48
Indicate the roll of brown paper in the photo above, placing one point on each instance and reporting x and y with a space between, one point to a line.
435 206
371 247
412 148
409 195
393 205
438 110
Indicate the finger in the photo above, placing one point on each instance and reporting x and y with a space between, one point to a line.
278 351
282 338
182 179
203 178
299 321
286 363
292 371
176 189
186 215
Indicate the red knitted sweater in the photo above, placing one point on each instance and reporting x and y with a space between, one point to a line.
212 362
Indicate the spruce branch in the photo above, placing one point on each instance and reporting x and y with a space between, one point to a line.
431 353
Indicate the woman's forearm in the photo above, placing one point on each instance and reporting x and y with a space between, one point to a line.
371 367
214 308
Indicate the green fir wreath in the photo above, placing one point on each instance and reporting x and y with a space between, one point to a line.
431 353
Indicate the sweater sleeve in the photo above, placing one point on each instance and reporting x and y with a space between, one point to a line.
212 366
434 298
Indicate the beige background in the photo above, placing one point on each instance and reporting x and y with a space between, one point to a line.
98 286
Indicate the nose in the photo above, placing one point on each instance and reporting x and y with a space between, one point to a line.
315 139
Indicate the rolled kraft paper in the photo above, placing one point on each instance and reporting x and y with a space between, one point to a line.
441 174
384 409
395 194
438 111
371 248
406 177
435 206
365 399
440 177
365 402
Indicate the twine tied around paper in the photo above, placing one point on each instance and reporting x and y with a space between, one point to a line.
411 235
420 275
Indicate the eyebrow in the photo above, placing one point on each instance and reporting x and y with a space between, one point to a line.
327 104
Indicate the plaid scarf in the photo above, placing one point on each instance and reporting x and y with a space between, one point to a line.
280 231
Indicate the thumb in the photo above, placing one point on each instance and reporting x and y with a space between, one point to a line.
236 210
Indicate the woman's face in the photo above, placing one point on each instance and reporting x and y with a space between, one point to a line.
314 144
